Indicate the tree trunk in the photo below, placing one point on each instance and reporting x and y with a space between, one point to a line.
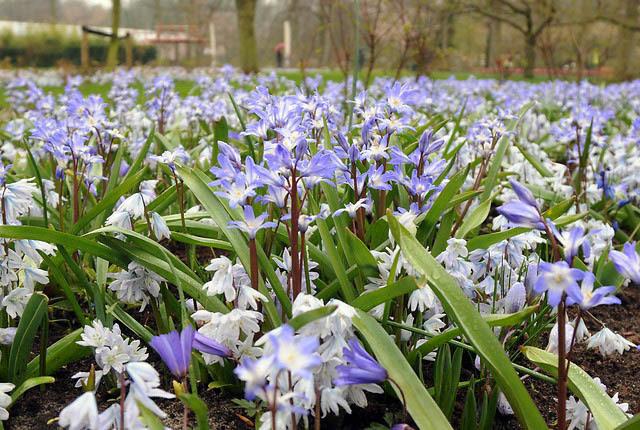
246 11
529 56
626 42
112 54
53 7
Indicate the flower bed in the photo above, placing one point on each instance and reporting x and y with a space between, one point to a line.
417 254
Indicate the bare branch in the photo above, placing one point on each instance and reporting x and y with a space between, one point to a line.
498 17
619 22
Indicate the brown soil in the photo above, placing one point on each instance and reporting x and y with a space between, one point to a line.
618 372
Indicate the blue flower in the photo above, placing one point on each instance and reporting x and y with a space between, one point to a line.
361 368
297 354
524 211
252 224
557 279
627 262
600 296
175 349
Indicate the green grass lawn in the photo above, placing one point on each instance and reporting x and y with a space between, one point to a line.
184 87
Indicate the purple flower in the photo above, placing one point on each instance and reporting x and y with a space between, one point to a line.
571 241
522 214
600 296
209 346
252 224
523 193
361 368
254 373
627 262
557 279
175 350
524 211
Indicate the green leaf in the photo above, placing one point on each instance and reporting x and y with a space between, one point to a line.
496 163
60 279
631 424
131 323
69 241
459 308
540 167
420 404
147 257
484 241
362 255
149 418
26 332
336 263
369 300
474 219
29 384
445 196
198 407
605 411
493 320
305 318
197 183
108 201
61 353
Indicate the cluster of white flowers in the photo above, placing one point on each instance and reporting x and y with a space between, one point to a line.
111 349
144 381
136 285
134 207
579 416
232 281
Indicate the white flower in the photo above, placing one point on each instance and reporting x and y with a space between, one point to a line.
111 349
134 205
83 379
552 346
120 219
159 227
422 298
81 414
16 300
136 284
5 399
94 335
222 281
248 297
33 276
7 335
609 342
503 405
455 248
332 399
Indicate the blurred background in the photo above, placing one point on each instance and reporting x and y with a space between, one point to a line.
529 38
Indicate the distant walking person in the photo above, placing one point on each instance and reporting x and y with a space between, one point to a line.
279 50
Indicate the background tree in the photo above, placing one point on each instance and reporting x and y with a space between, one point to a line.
112 53
246 12
528 17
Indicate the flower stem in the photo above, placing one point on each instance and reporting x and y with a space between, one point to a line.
404 400
562 366
123 392
253 260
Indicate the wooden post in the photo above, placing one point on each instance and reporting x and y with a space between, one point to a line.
212 43
84 51
128 46
287 44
